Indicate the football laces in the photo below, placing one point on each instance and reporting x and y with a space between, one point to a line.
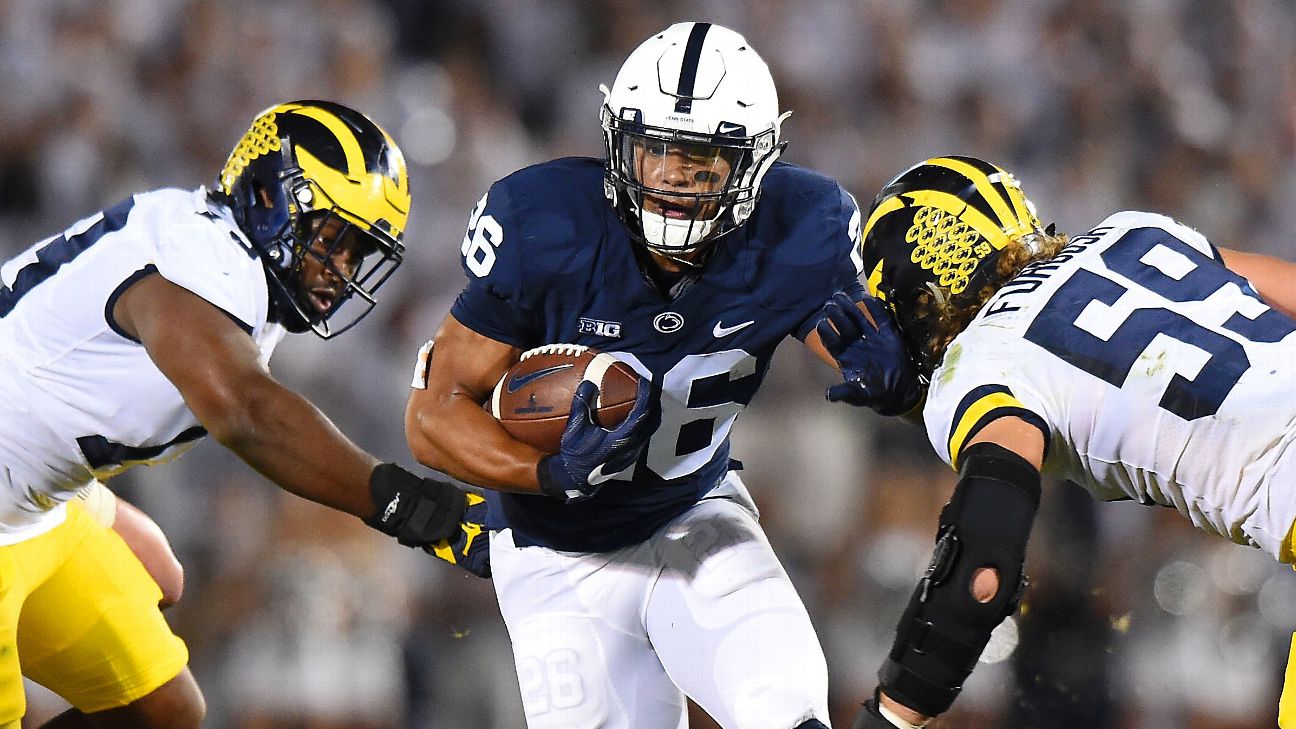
570 350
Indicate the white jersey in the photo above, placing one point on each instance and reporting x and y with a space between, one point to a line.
1156 374
81 399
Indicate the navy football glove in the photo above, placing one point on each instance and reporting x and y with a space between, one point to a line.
873 361
469 547
590 454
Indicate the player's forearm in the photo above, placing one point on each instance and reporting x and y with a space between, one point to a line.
289 441
456 436
1273 278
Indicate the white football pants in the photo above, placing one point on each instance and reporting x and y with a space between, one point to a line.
616 640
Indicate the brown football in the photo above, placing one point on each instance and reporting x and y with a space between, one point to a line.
534 397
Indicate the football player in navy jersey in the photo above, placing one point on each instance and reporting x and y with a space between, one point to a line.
629 566
143 328
1137 360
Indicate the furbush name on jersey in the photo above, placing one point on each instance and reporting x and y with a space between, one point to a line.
1034 275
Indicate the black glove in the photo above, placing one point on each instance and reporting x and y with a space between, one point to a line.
469 548
417 511
870 717
590 454
874 363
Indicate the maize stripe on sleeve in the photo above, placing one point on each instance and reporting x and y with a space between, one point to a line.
983 406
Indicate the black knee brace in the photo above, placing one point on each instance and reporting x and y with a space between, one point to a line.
944 629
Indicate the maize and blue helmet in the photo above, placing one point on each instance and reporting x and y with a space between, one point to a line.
305 166
934 235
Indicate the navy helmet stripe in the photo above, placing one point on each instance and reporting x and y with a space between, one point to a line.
688 73
59 251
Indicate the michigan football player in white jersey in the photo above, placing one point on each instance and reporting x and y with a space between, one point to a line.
1137 360
137 331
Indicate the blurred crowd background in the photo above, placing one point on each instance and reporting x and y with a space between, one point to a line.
299 617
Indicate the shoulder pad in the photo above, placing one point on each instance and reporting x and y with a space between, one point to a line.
1131 219
528 226
805 232
977 383
204 254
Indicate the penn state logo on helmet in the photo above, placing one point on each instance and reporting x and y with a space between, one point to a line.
934 235
319 181
690 127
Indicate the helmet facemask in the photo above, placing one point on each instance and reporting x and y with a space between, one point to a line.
680 189
333 260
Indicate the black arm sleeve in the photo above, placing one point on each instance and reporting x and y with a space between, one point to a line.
944 629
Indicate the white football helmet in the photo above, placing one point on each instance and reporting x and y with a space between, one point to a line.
690 127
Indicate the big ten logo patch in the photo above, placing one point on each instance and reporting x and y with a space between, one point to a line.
599 328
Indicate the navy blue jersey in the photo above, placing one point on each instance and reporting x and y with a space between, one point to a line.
548 261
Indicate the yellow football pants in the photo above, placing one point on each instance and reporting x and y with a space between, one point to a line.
1287 702
79 615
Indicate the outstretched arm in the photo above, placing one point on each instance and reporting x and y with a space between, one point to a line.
217 368
1273 278
964 596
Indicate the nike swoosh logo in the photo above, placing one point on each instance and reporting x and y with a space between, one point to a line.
724 331
597 476
517 383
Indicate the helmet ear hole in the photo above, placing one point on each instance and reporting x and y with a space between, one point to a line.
261 195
